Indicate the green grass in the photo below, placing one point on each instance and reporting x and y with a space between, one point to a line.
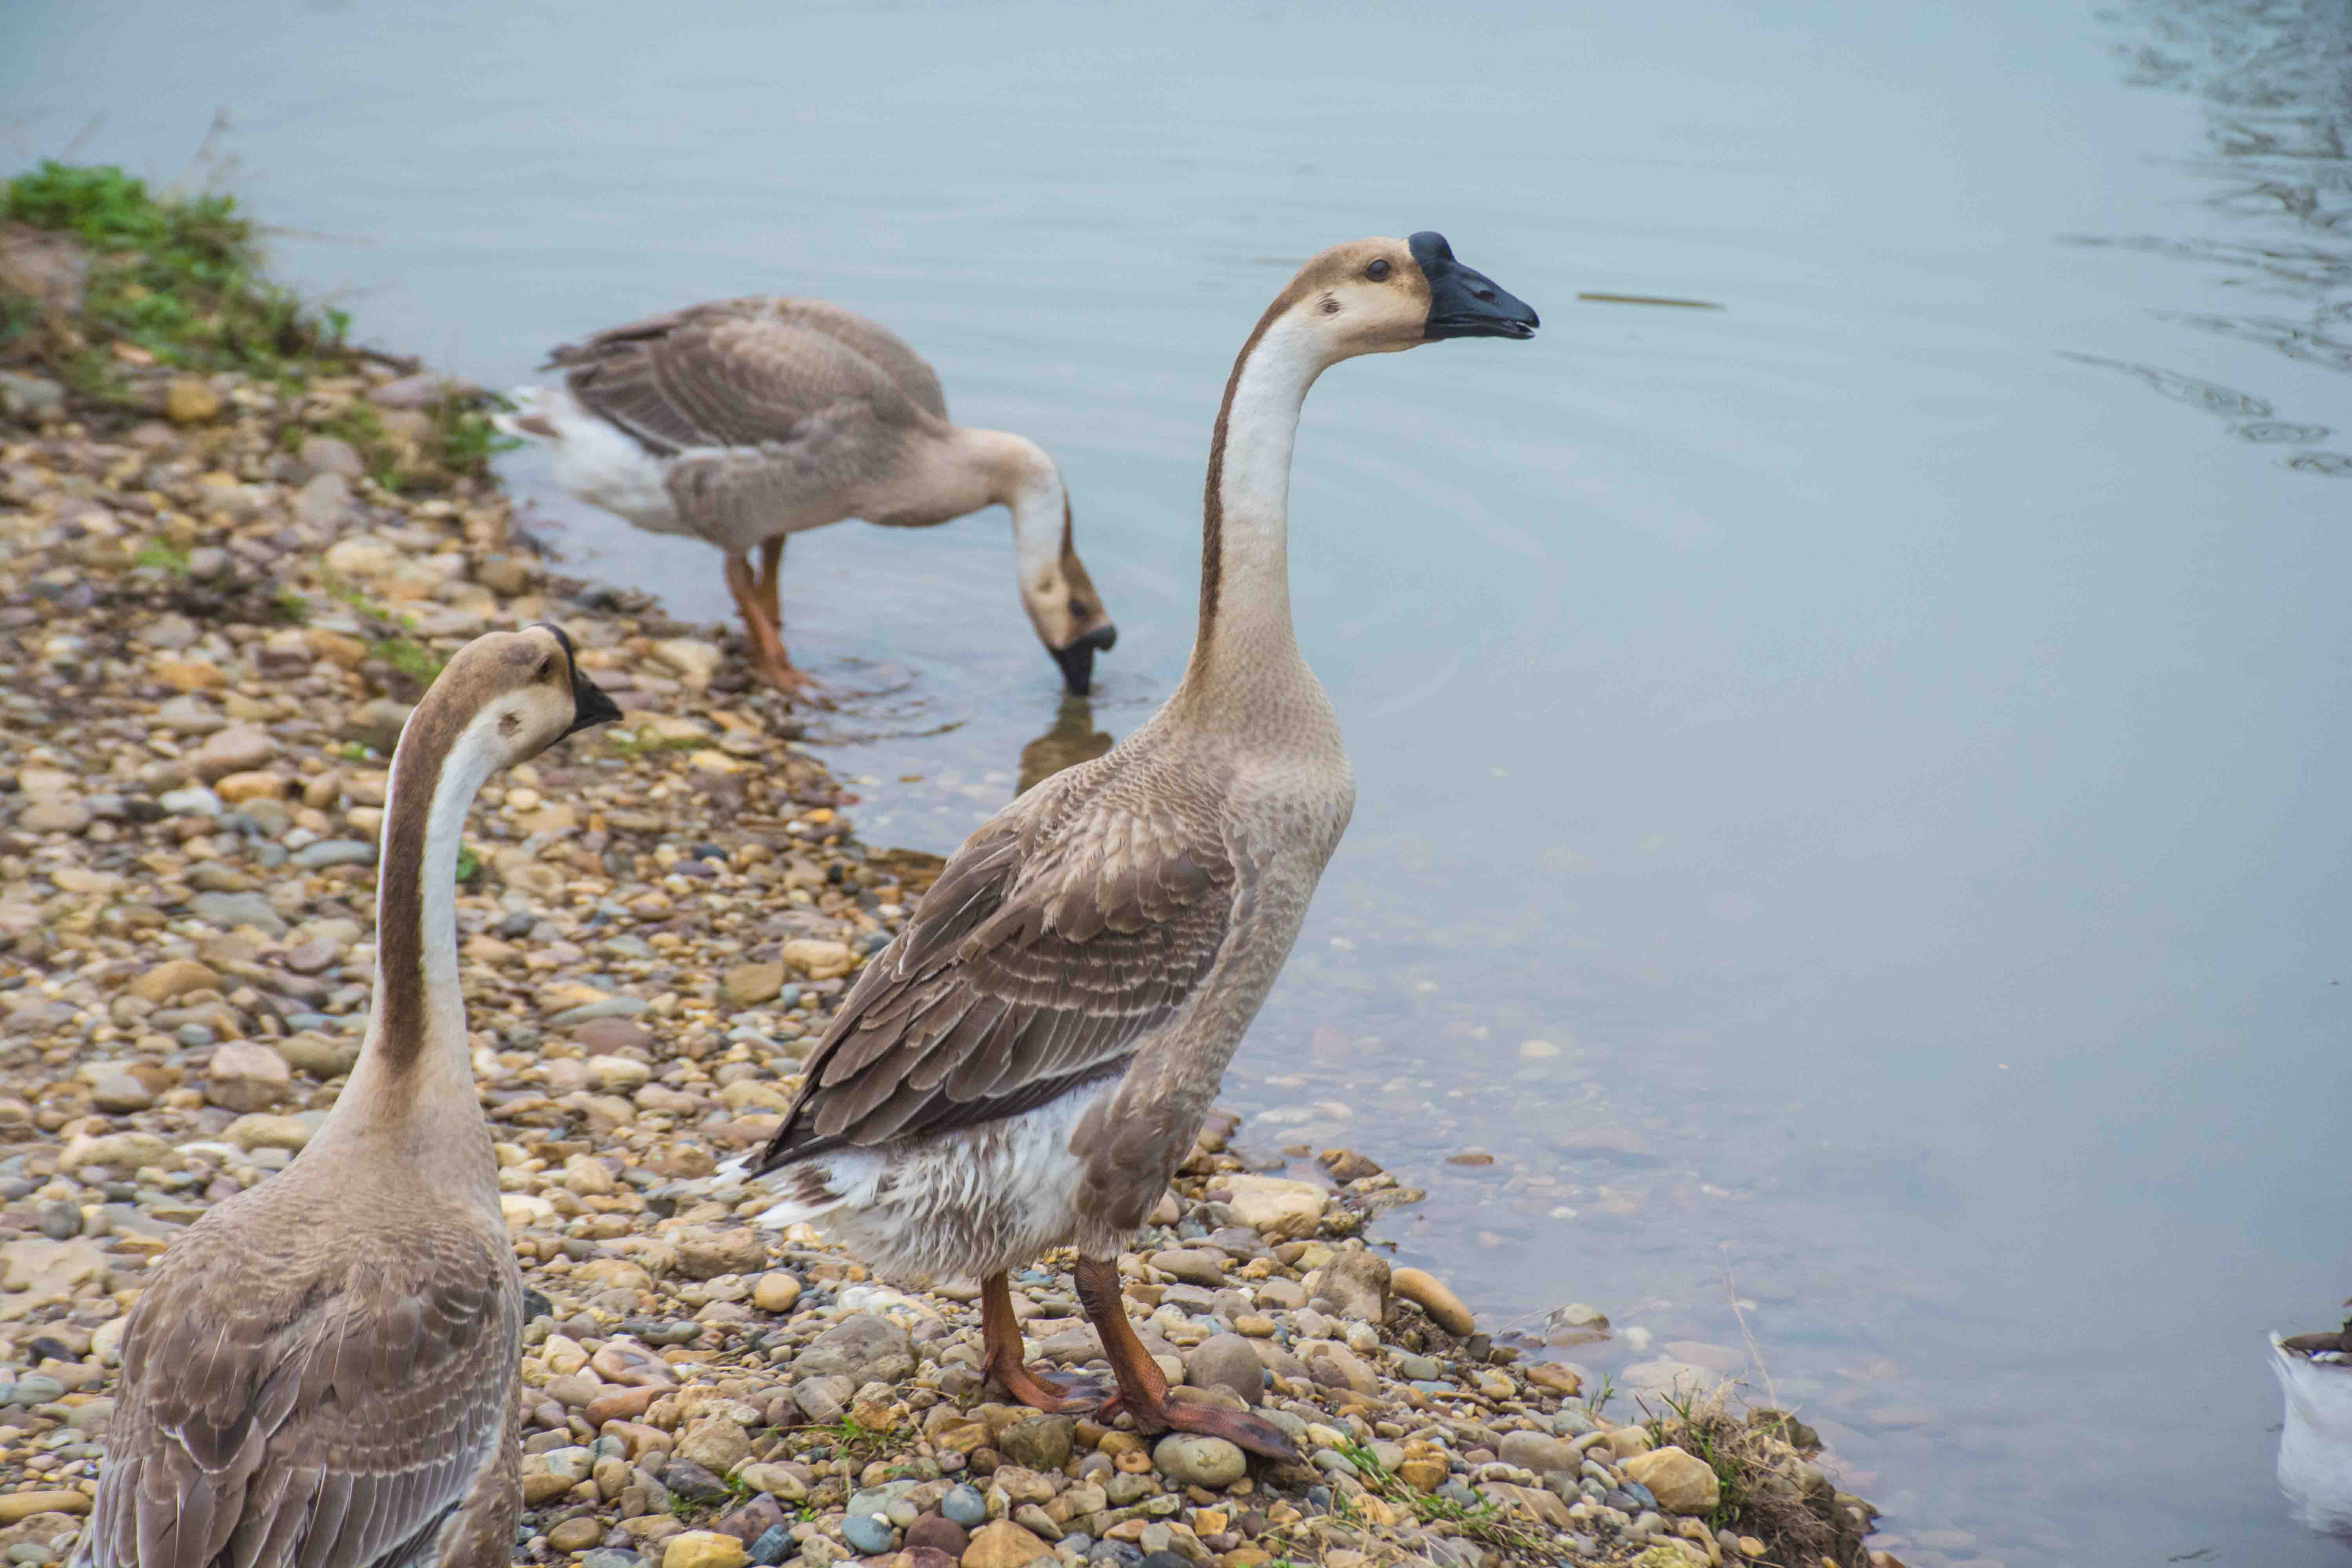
1483 1521
166 558
469 863
1700 1435
390 640
180 278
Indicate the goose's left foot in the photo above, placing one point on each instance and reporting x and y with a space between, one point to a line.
1143 1390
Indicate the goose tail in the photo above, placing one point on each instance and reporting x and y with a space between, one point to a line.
528 419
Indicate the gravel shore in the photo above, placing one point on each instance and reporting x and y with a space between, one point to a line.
213 614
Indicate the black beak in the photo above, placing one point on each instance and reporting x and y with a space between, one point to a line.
590 704
1464 303
1078 660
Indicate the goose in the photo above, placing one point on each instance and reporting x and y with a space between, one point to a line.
1027 1062
2314 1456
743 422
323 1374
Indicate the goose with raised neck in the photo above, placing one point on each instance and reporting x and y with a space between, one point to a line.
323 1369
1027 1062
742 422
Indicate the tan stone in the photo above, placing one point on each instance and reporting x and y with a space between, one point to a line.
188 401
1276 1207
576 1534
776 1292
23 1505
1428 1292
238 788
1559 1379
246 1077
173 977
704 1549
262 1131
1681 1481
817 960
718 1444
188 674
749 984
998 1544
335 646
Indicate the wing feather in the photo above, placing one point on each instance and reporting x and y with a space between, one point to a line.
1053 945
299 1390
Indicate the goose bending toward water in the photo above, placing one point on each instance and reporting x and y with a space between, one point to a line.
745 421
2314 1458
323 1374
1026 1065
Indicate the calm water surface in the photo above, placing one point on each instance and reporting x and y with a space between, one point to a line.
1887 737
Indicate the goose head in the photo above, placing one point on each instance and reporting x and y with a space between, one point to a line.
519 694
1383 296
1063 608
1069 615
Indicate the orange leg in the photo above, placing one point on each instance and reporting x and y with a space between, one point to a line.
1055 1393
1143 1390
757 604
771 555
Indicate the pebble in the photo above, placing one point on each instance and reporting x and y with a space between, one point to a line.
1193 1459
965 1506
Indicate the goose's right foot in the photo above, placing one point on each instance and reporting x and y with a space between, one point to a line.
1054 1392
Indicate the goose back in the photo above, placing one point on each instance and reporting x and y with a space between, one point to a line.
306 1389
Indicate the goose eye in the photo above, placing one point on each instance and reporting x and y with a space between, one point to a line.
546 666
1377 270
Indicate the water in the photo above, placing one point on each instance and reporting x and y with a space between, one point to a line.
1887 734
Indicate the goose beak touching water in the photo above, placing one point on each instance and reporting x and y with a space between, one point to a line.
1027 1062
322 1369
742 422
2314 1458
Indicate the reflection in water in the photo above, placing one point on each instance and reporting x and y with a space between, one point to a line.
1073 740
2276 78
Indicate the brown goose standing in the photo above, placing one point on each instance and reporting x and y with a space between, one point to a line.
322 1374
1024 1067
745 421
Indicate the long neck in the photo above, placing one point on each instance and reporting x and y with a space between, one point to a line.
1245 635
414 1064
997 467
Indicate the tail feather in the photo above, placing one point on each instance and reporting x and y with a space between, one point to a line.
529 416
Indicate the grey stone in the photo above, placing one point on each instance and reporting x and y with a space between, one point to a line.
327 455
864 1348
335 852
1191 1459
325 503
962 1504
226 912
1228 1362
869 1533
1041 1442
1534 1451
1353 1285
823 1398
376 724
30 399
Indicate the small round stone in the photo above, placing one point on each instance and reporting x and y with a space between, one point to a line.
1192 1459
870 1533
965 1506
